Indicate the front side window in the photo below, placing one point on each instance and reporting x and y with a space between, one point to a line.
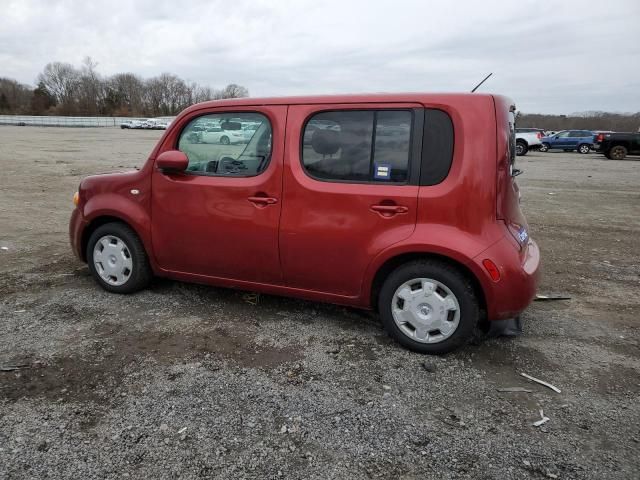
358 145
227 144
562 135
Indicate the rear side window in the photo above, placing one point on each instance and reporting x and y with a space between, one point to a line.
358 146
437 147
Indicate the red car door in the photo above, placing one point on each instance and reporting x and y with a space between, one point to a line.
350 190
220 217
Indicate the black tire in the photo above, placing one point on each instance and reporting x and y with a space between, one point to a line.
141 273
544 147
446 274
521 148
617 152
584 148
224 140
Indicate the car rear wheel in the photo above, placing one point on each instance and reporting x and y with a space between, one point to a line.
117 259
224 140
584 148
618 152
429 307
521 148
544 147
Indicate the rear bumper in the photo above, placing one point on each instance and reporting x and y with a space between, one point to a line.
77 225
519 277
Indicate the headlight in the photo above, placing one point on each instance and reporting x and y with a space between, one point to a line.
76 198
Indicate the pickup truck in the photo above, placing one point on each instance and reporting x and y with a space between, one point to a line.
526 141
616 146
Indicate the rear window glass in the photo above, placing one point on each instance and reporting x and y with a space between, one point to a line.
358 145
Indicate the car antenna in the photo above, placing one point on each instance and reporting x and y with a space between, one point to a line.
484 80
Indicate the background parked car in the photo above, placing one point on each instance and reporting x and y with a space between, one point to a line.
616 146
598 136
222 135
569 140
248 130
530 130
134 124
526 141
160 125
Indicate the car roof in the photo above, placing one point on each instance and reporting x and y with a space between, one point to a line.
344 98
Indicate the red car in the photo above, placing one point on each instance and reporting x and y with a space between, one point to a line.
404 203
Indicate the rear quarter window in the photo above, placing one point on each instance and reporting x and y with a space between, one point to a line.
437 147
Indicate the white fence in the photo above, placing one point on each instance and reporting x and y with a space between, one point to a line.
56 121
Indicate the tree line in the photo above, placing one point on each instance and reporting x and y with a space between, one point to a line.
616 122
63 89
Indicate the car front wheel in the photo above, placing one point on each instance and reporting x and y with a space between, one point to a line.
224 140
429 307
544 147
117 259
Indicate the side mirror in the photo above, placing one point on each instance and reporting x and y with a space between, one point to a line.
172 161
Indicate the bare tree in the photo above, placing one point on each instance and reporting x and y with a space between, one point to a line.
66 90
232 91
14 97
61 80
125 92
91 89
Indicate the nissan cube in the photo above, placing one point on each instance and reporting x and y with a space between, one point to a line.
406 204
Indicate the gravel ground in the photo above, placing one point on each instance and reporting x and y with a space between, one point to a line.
187 381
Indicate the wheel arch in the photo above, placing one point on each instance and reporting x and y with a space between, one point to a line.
622 143
100 220
394 262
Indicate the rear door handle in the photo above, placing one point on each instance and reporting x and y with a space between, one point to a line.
262 201
388 210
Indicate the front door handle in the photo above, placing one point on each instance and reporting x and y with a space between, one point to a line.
262 201
389 210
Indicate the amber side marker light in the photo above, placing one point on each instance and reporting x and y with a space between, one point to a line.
492 269
76 198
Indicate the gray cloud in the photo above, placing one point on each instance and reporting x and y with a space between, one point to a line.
558 57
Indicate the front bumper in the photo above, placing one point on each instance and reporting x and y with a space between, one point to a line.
519 277
77 225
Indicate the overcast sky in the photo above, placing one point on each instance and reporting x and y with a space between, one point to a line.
550 57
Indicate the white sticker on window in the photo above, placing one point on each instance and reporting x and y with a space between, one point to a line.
382 171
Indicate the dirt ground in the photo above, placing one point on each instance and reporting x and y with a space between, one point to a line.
188 381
